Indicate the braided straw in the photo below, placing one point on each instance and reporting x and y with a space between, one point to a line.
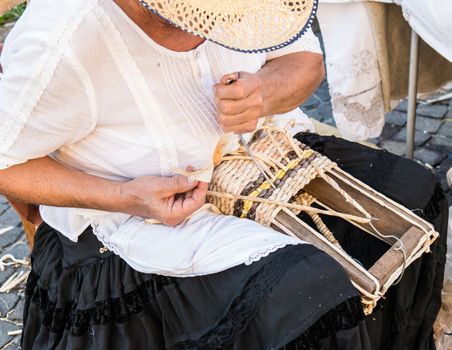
248 26
307 199
238 188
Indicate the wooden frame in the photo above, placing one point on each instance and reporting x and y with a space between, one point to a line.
415 233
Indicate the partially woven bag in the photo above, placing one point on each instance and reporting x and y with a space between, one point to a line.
239 188
307 181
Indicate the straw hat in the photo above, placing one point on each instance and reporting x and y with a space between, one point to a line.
242 25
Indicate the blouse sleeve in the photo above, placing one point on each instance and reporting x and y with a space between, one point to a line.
307 42
43 97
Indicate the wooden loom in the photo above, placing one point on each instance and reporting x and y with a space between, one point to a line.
304 177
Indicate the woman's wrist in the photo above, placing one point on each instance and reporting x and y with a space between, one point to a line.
122 198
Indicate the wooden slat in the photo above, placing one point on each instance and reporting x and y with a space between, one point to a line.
306 233
392 259
389 223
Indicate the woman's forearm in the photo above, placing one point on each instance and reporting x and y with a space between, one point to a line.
169 200
289 80
45 181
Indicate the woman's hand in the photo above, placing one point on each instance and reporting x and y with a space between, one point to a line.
45 181
240 104
282 84
169 200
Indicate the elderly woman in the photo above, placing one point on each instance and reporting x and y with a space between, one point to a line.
102 103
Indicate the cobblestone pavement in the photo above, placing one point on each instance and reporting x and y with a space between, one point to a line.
433 131
434 150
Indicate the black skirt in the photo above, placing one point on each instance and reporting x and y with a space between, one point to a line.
79 297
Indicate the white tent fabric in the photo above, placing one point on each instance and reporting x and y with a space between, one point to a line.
352 63
432 21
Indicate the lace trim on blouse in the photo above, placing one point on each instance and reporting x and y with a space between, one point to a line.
103 238
30 95
266 252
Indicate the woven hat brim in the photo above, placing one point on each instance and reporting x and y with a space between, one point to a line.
265 30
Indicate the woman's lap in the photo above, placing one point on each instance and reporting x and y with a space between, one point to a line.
81 300
133 310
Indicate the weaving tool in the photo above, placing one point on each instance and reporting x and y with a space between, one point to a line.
310 182
244 144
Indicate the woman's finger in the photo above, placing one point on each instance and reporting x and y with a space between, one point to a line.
228 77
237 91
250 117
233 107
176 184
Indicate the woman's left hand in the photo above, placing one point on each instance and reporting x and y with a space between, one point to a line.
240 104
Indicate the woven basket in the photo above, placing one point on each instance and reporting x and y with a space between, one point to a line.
310 182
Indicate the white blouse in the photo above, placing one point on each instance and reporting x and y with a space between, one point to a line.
84 84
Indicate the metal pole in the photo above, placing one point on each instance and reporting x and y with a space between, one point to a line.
412 93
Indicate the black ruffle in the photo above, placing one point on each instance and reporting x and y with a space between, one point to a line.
119 310
64 308
78 322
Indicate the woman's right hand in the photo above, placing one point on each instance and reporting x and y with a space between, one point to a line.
169 200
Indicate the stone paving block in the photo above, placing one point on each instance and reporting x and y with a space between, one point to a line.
446 130
374 141
427 156
321 112
4 204
389 131
403 106
19 250
449 113
10 235
4 207
433 111
396 118
419 139
4 275
6 327
17 312
396 147
310 103
440 142
7 302
15 344
429 125
323 93
10 218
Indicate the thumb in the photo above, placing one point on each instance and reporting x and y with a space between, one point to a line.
178 184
